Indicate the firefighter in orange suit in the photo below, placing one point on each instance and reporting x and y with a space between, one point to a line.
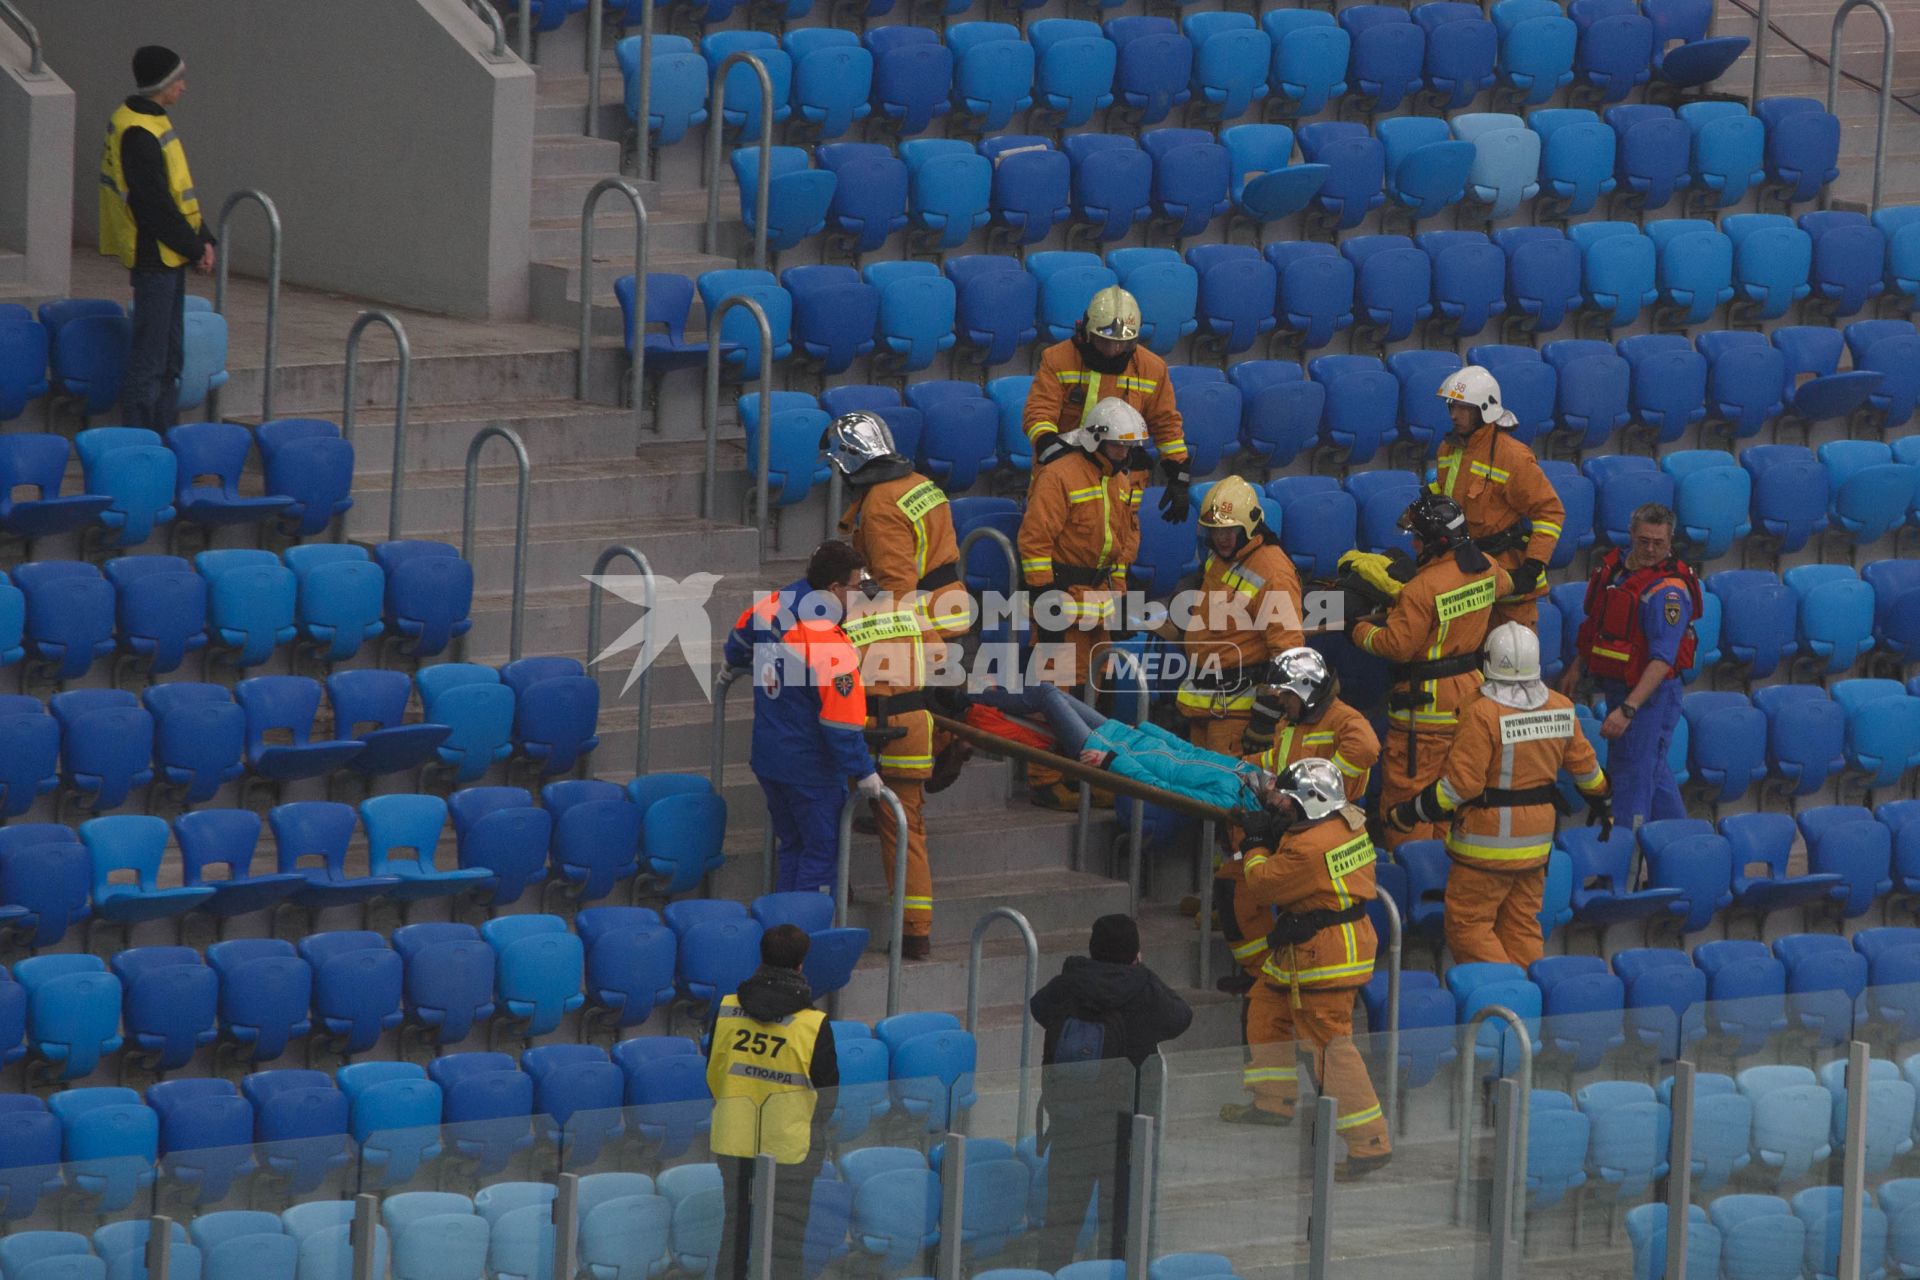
901 522
1104 360
1307 854
1249 610
1512 511
1497 792
1297 715
1080 532
1432 635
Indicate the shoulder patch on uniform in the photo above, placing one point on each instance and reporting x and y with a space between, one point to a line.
843 685
1532 726
1673 611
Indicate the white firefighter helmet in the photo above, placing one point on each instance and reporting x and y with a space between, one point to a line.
1111 421
1512 654
1315 785
1303 673
1475 387
855 439
1232 503
1114 313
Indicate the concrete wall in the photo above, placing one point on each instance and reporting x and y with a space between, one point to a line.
399 154
36 167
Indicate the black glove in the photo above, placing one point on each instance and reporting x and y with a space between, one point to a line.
1600 810
1527 577
1175 501
1403 817
1262 828
1047 447
950 700
1261 726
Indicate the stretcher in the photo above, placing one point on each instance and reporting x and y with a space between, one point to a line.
1078 770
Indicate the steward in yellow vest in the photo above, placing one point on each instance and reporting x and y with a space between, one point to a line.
770 1053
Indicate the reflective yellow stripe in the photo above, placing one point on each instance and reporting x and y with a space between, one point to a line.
1258 859
1264 1075
1243 581
1073 377
1039 564
1320 738
1547 526
1468 845
1038 427
1248 950
1487 472
1077 496
1325 973
919 904
1611 653
1146 386
1354 1118
906 762
1350 770
1424 717
1188 696
1469 597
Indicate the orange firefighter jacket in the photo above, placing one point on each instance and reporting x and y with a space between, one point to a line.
1506 749
1327 866
1443 613
896 644
1341 735
904 527
1080 532
1498 483
1249 611
1062 390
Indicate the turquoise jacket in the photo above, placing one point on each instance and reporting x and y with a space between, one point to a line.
1150 754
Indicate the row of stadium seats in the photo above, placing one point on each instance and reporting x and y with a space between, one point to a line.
240 606
1291 64
101 744
92 363
1176 182
1807 991
516 976
919 1066
1762 1237
662 831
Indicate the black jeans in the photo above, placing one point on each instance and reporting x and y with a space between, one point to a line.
1091 1155
792 1205
151 392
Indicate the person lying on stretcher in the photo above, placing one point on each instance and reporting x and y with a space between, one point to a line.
1145 753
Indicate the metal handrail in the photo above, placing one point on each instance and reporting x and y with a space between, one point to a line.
524 36
596 19
524 496
273 291
1466 1072
1032 945
158 1250
1006 549
566 1210
488 15
899 884
1390 1105
595 595
639 374
1760 29
405 351
37 64
715 128
710 409
643 158
1136 824
717 762
363 1235
1886 83
1203 874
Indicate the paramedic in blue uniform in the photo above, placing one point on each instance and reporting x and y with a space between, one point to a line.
809 711
1636 643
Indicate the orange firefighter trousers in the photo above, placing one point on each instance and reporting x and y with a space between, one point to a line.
913 799
1494 915
1399 782
1323 1025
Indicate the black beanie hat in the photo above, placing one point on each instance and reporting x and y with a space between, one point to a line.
155 67
1116 940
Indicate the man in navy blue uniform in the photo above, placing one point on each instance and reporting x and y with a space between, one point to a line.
1636 642
809 712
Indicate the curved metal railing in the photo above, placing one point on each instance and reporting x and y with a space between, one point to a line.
710 409
1032 945
639 371
523 498
899 912
596 595
1462 1187
273 291
1886 83
405 355
716 128
37 57
487 14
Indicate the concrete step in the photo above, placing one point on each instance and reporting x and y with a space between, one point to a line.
1050 899
558 554
555 432
565 195
557 238
558 155
508 376
13 268
554 286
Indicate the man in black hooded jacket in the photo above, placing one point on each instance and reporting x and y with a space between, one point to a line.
770 1053
1103 1016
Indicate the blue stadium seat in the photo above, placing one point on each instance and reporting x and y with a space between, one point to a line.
629 966
1712 493
797 195
394 1115
1153 67
73 1014
1883 733
1849 256
29 764
1381 497
668 1095
596 836
1746 991
832 80
1846 840
1166 288
69 615
1422 413
1806 738
1825 978
1829 393
917 306
1112 185
1653 154
1627 1152
1772 259
1836 615
1726 753
1031 193
137 473
1581 1005
912 72
370 706
1698 58
1615 49
1191 178
992 75
1074 76
1536 50
1621 484
134 844
1618 271
1803 147
1264 184
1871 492
251 604
1647 1233
1762 842
1231 56
44 870
539 963
1543 277
300 1123
556 707
160 610
1792 1117
740 110
1393 287
1760 1237
1237 287
949 191
395 822
1665 998
106 746
1506 161
1310 57
306 460
962 431
796 426
1468 280
228 838
1789 494
357 983
1758 620
429 594
170 1001
1728 156
265 993
1694 269
88 355
1887 347
472 702
1896 624
1695 861
1903 251
288 705
310 829
23 363
111 1142
217 451
1602 894
206 1144
1361 401
869 198
39 462
1316 294
1386 63
1819 1207
669 300
1461 48
1280 410
338 596
1426 169
677 93
1356 163
449 981
1576 158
